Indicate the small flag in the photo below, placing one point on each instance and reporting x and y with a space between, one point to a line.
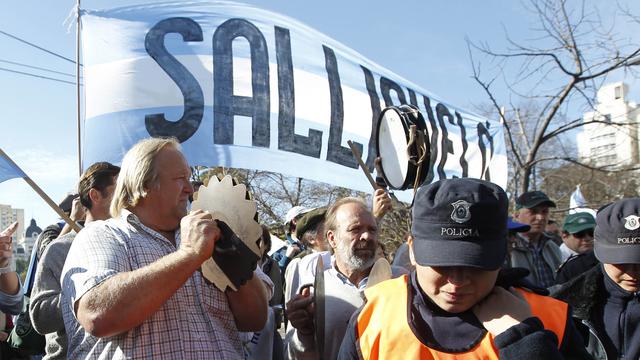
9 169
577 200
577 203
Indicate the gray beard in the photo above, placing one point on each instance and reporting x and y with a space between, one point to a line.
355 263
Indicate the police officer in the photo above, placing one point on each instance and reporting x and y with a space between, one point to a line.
606 298
451 306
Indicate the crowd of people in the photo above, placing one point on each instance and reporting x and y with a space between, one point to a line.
469 282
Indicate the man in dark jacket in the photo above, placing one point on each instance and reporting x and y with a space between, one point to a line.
606 299
575 266
456 304
535 250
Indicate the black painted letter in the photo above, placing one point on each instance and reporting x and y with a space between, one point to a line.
463 138
336 152
446 145
484 132
375 111
157 125
386 85
288 140
227 105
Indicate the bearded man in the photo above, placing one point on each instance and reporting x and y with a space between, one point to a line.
352 232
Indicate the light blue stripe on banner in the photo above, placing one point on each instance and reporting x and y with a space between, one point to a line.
108 137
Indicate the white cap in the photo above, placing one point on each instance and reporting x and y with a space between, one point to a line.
294 212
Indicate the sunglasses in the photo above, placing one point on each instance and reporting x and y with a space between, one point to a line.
583 234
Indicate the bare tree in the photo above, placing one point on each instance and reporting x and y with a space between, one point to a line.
522 124
276 193
598 187
394 228
559 71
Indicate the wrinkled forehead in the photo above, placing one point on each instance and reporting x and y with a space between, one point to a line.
354 213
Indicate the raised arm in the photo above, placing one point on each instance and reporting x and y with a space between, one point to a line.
381 204
9 282
117 304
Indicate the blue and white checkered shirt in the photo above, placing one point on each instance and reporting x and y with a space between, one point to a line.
195 323
544 274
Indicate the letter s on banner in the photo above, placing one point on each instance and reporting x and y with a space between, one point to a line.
157 124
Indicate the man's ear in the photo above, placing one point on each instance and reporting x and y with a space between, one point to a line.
331 239
95 196
411 256
311 240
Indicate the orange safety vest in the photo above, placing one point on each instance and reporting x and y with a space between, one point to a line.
383 330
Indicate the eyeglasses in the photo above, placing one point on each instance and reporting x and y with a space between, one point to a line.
583 233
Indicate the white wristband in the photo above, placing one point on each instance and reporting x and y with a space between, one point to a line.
9 268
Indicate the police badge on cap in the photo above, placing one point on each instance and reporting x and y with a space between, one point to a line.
617 233
632 222
461 213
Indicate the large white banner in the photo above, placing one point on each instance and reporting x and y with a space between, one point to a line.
247 88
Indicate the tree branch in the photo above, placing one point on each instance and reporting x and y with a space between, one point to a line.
606 168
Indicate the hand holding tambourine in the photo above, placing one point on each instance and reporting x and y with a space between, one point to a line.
236 253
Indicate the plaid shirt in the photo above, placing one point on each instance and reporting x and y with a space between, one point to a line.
195 323
542 271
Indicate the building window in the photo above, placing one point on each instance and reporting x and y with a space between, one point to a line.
599 151
606 159
603 137
618 92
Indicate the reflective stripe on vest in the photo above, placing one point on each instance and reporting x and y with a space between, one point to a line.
383 331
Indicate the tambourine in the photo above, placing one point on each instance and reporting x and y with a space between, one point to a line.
404 152
236 253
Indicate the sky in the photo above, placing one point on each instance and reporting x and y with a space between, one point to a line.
422 41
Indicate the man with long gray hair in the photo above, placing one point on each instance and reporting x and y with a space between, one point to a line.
131 285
